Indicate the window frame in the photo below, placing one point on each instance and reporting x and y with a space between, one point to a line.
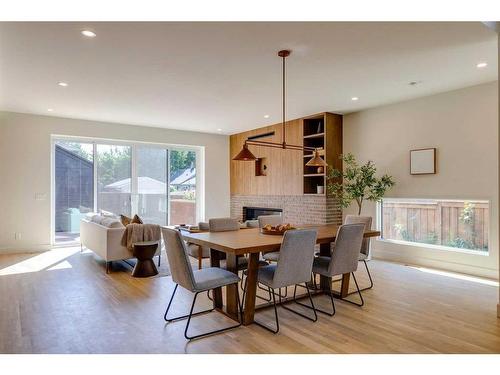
200 172
379 221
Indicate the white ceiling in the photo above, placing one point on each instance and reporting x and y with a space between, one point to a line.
206 76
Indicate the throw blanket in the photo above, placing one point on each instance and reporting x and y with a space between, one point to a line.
140 233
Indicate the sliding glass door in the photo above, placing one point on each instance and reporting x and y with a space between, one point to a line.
155 182
152 182
73 187
114 179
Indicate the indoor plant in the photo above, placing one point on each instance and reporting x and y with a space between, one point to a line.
357 182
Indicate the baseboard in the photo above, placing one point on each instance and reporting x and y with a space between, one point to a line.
25 249
444 265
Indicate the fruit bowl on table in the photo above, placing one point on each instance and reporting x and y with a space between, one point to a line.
276 230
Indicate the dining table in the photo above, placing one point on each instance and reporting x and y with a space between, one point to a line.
250 242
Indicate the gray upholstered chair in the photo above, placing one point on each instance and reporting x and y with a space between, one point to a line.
223 224
252 223
273 220
197 251
294 267
344 258
226 224
365 247
195 281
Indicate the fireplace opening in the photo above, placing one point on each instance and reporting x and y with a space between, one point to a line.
252 213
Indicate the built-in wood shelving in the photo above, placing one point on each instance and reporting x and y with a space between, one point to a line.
324 132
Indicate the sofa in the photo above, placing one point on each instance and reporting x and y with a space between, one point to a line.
103 236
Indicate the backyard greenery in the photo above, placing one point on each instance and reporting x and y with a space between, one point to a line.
357 182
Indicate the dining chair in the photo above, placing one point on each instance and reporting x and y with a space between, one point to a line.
223 224
365 247
197 281
226 225
343 260
273 220
197 251
293 267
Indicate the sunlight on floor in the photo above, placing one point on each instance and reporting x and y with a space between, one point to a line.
50 260
456 276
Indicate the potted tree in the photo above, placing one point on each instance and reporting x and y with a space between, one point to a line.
357 182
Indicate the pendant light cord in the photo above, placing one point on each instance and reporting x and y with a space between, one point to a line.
283 121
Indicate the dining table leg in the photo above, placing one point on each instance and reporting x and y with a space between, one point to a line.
251 289
215 257
232 290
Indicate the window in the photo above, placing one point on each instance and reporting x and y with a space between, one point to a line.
452 224
74 187
182 187
157 182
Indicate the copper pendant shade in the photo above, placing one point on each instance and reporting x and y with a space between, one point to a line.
316 161
246 155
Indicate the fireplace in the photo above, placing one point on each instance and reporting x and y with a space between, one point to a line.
252 213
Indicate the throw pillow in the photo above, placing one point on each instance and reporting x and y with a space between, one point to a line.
127 220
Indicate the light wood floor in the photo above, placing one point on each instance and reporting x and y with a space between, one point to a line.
75 307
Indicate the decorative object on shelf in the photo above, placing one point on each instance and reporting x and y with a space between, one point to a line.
358 182
321 189
321 170
261 167
246 155
423 161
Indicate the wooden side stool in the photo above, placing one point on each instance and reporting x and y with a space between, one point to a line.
144 252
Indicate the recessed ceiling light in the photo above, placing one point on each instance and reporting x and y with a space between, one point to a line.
50 110
266 116
482 65
414 83
354 98
89 34
219 130
63 84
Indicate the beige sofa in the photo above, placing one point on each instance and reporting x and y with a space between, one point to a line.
103 235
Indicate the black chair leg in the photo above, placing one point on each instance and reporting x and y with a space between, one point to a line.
183 316
159 260
369 277
191 314
275 315
312 307
244 288
358 291
316 308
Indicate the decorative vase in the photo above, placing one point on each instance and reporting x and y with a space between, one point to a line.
320 189
321 169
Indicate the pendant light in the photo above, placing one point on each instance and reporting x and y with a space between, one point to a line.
316 161
246 155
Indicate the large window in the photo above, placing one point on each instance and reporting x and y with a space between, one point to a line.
156 182
454 224
74 187
182 187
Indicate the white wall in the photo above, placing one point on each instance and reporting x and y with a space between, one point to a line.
463 126
25 157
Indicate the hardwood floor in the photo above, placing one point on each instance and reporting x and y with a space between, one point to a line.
63 302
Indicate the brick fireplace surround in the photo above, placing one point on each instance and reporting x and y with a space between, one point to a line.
297 209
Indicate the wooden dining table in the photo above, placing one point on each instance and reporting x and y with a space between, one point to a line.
251 242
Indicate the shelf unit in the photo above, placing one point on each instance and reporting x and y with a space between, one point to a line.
322 131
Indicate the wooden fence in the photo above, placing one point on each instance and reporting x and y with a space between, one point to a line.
461 224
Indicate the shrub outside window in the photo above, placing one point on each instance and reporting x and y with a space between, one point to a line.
454 224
